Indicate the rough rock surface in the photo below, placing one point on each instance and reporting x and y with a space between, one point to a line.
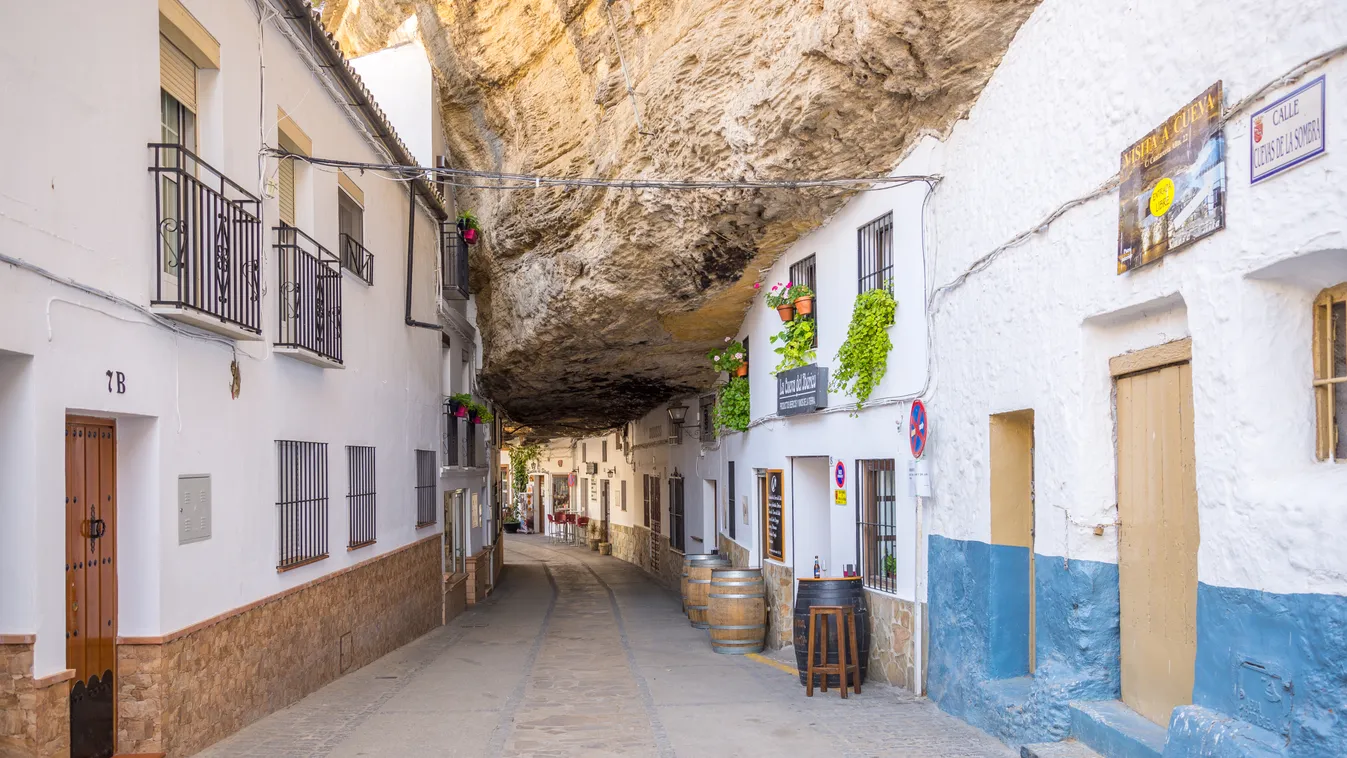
597 304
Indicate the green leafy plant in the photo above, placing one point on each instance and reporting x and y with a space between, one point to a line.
864 357
780 295
797 344
890 565
468 220
799 291
731 408
483 412
520 458
727 358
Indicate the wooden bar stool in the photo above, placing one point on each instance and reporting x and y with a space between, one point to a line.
848 661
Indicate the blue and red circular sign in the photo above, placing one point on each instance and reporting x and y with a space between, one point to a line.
917 429
840 474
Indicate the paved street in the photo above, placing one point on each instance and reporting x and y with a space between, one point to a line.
581 655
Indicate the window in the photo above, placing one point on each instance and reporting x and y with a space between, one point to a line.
425 488
802 272
470 445
450 435
1330 372
351 229
677 539
645 500
285 181
603 451
876 524
730 504
624 494
360 495
177 126
874 253
584 452
706 429
301 503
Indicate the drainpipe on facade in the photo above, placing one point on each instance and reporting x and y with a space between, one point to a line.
411 241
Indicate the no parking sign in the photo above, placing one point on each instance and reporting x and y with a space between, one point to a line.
917 428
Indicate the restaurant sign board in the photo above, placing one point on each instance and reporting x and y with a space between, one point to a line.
774 519
1288 132
801 390
1172 184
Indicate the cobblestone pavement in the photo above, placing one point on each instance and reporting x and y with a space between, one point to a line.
578 654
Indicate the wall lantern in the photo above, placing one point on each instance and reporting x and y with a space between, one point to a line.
678 413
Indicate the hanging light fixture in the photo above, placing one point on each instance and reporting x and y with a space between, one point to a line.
678 413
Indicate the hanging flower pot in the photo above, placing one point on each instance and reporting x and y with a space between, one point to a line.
787 311
474 417
470 236
742 370
461 411
468 228
804 306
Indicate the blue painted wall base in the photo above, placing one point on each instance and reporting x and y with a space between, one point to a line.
1270 672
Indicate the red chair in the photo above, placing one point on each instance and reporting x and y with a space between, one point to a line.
551 528
583 531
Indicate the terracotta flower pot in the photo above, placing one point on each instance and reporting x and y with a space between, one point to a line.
787 311
742 370
804 306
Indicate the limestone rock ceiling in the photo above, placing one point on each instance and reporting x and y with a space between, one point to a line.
596 305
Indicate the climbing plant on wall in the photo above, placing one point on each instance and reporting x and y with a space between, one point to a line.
520 458
731 409
864 357
796 346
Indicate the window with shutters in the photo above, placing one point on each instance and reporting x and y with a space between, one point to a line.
351 230
177 126
645 500
730 505
677 535
285 181
624 494
1330 373
603 451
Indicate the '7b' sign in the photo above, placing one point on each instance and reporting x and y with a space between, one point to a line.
116 382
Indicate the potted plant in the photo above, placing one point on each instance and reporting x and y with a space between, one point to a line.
890 566
511 520
780 299
742 370
795 344
594 536
803 299
729 358
732 406
484 414
468 228
460 403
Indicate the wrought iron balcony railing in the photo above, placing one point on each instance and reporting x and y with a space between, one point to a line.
310 297
208 244
451 435
356 259
454 255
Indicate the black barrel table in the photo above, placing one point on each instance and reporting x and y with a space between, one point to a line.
844 591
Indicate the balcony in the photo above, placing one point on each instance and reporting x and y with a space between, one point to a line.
464 441
356 259
208 246
454 261
451 436
310 299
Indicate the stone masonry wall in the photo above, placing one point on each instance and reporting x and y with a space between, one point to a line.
34 715
780 582
737 554
890 639
184 692
624 542
670 573
479 567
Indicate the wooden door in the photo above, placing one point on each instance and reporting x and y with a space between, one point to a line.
1157 539
654 523
603 502
91 581
1012 498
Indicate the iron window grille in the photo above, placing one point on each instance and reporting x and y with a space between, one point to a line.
208 233
645 500
874 254
310 297
732 506
470 445
677 538
454 255
603 451
624 494
425 488
876 524
802 272
356 259
450 435
302 501
705 428
360 496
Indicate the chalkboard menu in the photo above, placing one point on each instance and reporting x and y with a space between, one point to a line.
774 520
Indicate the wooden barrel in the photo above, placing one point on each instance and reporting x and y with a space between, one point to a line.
699 585
689 560
737 610
837 591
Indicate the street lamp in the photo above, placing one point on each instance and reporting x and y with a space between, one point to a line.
678 413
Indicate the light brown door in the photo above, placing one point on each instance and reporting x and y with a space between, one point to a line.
1012 496
91 581
1157 539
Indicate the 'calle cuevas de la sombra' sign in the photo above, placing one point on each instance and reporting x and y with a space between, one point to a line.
1288 132
801 390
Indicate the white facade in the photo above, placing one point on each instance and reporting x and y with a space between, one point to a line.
77 201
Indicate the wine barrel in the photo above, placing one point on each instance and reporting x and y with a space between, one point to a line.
689 560
737 610
836 591
699 585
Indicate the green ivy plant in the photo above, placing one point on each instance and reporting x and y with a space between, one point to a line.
727 358
731 408
520 458
864 357
797 344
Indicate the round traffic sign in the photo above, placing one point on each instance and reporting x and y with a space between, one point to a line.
917 428
840 474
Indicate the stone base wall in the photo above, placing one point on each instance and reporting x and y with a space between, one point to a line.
670 573
780 581
455 596
181 693
624 542
479 575
890 639
34 714
737 553
632 544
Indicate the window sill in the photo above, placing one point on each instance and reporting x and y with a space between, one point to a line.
300 564
308 356
424 524
359 545
202 320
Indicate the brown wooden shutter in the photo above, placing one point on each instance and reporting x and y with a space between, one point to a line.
286 177
177 73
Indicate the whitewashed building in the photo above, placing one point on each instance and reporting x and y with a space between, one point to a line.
229 369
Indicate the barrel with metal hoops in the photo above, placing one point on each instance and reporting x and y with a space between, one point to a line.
699 584
737 610
690 560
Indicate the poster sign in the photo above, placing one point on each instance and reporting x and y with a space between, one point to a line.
1172 184
839 497
774 522
1288 132
801 390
